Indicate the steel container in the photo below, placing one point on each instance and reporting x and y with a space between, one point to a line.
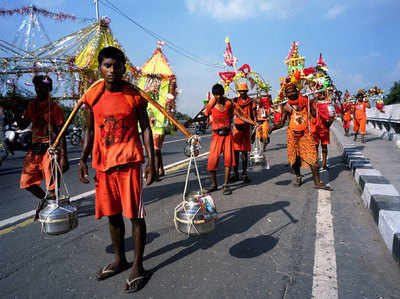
191 216
58 218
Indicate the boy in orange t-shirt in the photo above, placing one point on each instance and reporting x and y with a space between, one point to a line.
114 108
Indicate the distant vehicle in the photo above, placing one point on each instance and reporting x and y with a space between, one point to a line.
76 136
16 139
201 128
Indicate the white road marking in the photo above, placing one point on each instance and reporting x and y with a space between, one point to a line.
9 221
325 276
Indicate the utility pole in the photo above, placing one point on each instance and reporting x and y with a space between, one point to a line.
97 9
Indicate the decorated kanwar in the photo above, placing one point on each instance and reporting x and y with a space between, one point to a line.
156 78
301 147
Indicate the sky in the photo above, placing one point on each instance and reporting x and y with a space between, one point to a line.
358 39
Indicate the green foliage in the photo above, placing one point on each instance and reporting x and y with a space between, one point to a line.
182 116
393 97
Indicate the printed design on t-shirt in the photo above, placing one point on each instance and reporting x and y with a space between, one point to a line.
113 130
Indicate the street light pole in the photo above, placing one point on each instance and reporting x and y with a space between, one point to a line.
97 9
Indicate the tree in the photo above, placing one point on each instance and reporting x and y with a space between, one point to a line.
393 97
182 116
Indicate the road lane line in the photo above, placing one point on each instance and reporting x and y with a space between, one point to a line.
6 222
325 275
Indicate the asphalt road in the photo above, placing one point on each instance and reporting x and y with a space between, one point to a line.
272 240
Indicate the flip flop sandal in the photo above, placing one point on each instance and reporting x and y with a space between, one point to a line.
107 271
211 189
227 190
137 283
298 182
245 179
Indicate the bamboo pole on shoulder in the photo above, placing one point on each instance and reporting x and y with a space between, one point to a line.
142 93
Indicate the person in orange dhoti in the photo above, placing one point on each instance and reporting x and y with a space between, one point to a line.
300 143
242 132
221 111
360 117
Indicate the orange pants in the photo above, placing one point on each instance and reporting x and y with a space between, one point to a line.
360 125
346 124
119 190
219 145
321 136
36 167
242 140
262 132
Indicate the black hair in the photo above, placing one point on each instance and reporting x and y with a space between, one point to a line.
111 52
218 89
42 79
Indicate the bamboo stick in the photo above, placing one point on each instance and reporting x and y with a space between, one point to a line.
72 114
142 93
163 111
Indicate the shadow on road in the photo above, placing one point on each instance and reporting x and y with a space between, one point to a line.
233 222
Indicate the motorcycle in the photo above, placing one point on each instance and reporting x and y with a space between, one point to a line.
16 139
201 128
76 136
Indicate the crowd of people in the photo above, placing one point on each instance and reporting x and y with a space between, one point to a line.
114 112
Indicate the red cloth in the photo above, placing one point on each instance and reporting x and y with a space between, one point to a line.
266 103
220 119
42 115
277 117
116 138
242 138
220 144
35 169
247 106
120 191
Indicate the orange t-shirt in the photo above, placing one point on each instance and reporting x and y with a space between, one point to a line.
116 135
247 106
44 115
220 119
360 110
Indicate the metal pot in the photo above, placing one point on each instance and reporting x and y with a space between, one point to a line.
257 159
58 218
194 216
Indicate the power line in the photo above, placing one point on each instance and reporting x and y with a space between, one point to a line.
155 35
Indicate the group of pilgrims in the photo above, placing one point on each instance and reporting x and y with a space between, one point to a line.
117 123
236 124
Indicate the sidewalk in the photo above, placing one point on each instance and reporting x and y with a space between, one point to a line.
375 166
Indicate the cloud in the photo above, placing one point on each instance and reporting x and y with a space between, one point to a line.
335 11
244 9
